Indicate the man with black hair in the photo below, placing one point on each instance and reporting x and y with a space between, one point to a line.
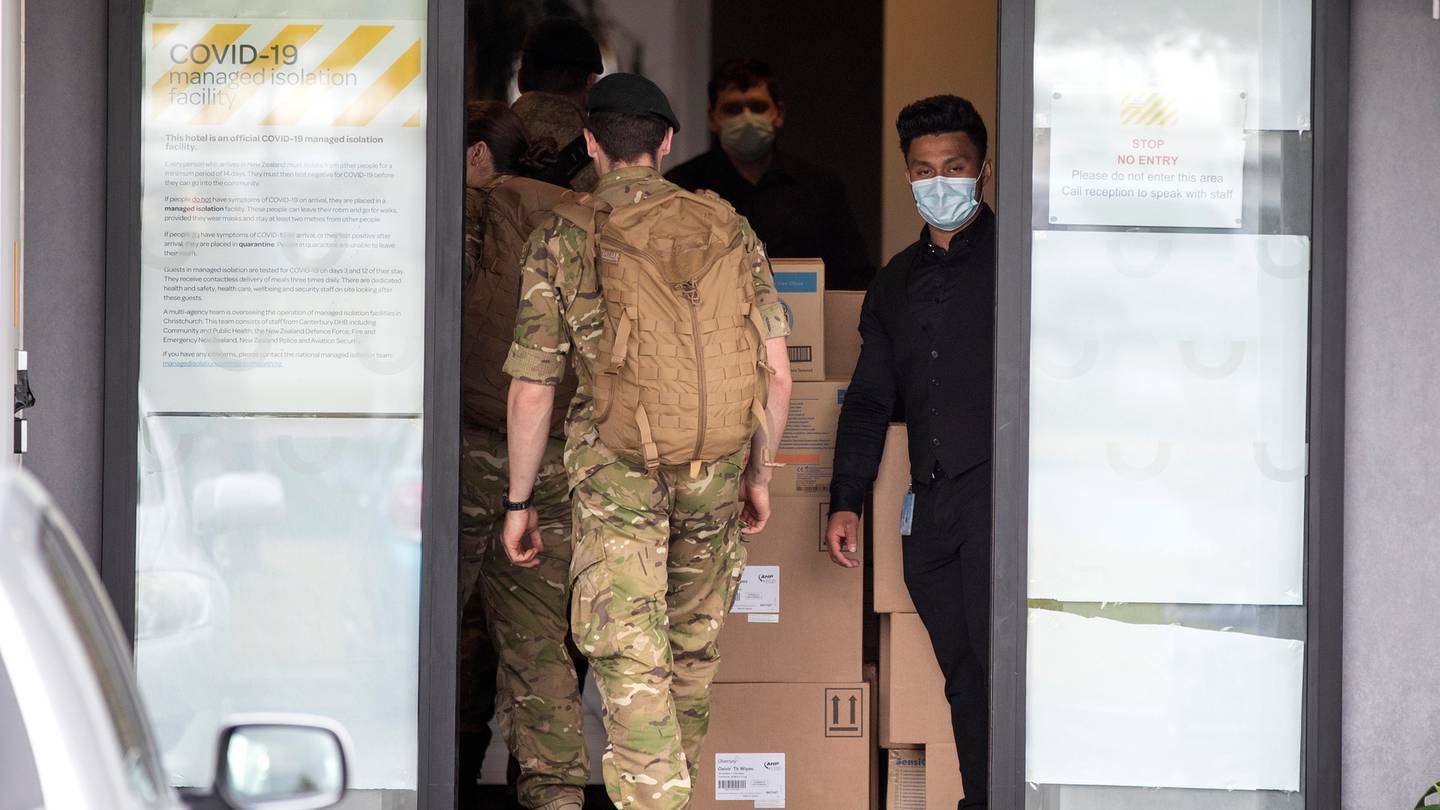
558 63
928 332
665 303
800 210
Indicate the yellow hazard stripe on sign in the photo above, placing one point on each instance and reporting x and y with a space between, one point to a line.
217 37
1152 110
343 59
159 32
216 113
378 96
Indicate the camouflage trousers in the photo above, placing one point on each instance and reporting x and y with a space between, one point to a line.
537 694
657 564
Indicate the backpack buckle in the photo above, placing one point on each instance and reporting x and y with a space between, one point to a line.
688 290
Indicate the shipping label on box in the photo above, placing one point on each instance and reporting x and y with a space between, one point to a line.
905 784
808 447
800 284
756 778
758 593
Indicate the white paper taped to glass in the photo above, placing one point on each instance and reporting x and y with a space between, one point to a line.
1112 703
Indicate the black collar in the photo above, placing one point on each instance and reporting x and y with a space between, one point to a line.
978 229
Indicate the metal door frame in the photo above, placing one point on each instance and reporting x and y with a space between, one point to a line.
1324 505
439 611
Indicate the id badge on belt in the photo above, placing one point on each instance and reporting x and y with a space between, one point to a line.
907 513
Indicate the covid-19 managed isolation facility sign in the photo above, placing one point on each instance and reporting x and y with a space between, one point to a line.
283 218
1148 158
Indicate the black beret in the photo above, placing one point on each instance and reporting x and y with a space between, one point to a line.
560 42
631 94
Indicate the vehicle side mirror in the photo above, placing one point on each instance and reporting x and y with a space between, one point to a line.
284 763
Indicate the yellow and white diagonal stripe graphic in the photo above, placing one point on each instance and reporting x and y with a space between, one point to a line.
1148 110
285 73
290 35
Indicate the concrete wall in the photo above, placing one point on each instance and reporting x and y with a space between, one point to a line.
65 95
1392 447
931 47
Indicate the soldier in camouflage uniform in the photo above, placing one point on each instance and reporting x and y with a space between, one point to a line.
523 612
657 557
558 63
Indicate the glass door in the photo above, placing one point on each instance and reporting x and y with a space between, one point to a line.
282 347
1155 514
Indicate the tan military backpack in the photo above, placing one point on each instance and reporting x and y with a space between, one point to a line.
681 376
506 210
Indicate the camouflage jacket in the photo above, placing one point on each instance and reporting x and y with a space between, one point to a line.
562 311
548 115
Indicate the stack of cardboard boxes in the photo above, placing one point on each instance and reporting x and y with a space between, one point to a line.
794 720
914 719
791 715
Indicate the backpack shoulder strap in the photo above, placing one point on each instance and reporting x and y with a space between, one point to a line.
584 211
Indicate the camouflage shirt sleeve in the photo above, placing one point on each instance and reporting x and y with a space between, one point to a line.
538 353
776 323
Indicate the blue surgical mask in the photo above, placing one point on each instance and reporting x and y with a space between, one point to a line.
946 202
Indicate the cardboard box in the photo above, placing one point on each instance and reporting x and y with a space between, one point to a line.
808 447
905 779
887 547
913 709
943 788
923 778
842 332
801 286
802 746
798 617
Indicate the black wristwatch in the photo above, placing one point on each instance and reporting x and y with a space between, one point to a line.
515 506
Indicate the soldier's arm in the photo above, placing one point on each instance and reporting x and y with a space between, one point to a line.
777 404
777 408
535 364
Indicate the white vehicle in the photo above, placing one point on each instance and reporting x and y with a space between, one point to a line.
73 735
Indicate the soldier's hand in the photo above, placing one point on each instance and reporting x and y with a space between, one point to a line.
840 537
756 511
518 527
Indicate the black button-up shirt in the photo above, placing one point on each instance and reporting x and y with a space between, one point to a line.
928 348
798 210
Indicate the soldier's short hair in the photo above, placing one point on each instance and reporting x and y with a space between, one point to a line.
627 137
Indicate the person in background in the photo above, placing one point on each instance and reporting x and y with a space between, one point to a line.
798 210
523 611
558 63
658 462
927 327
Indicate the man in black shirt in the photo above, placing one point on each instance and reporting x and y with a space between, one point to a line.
927 326
798 210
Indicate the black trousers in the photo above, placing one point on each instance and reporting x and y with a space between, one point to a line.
947 571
